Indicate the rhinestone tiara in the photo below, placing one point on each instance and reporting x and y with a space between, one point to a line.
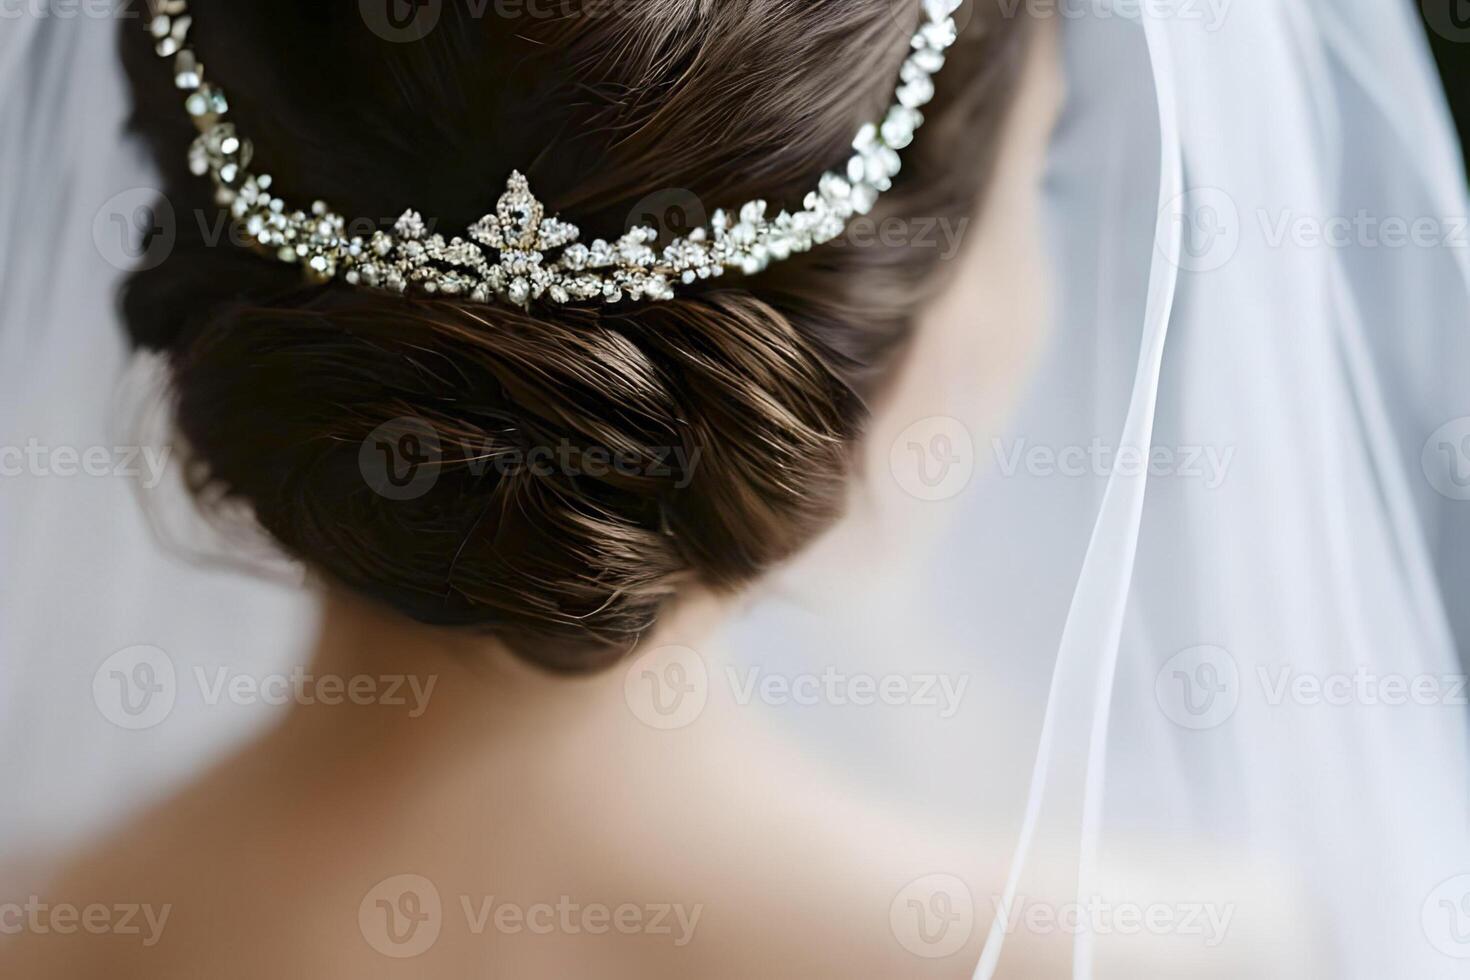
519 255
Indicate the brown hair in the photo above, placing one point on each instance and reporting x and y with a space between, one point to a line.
720 423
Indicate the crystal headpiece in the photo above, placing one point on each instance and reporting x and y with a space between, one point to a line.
508 254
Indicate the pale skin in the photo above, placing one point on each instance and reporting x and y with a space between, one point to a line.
564 834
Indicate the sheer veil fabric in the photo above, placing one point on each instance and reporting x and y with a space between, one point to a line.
1260 652
1210 570
85 574
1217 682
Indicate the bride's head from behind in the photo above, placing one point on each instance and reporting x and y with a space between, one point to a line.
551 476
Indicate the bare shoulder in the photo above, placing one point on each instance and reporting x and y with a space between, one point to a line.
228 878
681 863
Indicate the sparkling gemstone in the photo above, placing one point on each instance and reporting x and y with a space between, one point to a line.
206 101
198 159
916 93
939 10
188 73
898 128
928 60
940 34
517 241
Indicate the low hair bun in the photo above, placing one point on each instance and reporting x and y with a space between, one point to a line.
551 481
550 477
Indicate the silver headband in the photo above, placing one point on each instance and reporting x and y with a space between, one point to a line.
506 254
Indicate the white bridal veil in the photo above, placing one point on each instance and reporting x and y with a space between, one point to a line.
1260 650
1223 535
82 572
1206 579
